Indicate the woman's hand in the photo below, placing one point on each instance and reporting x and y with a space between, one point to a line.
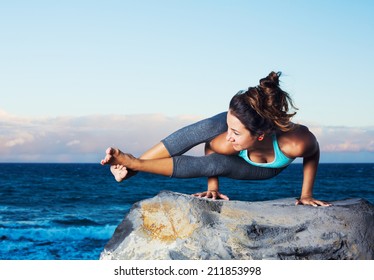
211 194
311 201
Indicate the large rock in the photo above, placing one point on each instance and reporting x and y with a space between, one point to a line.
178 226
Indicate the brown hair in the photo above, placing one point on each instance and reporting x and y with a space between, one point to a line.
264 108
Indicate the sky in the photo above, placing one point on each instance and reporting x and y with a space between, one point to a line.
78 76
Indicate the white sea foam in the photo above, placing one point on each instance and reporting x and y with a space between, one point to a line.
58 233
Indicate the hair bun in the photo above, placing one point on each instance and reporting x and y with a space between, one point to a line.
271 81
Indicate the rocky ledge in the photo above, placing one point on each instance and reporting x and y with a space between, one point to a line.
178 226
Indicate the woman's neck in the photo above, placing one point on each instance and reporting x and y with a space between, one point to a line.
264 146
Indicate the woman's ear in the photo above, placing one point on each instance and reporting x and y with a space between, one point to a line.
261 137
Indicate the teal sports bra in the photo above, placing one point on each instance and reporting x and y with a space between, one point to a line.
280 159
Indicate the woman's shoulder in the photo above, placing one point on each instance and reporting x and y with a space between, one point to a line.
297 142
297 132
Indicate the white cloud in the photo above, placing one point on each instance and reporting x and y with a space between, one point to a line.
344 139
19 139
81 139
73 142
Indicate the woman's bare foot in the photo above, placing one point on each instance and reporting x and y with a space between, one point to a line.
121 173
116 157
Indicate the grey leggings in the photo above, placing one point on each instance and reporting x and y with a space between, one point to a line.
215 164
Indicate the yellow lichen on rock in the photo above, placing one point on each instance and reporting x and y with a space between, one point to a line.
166 221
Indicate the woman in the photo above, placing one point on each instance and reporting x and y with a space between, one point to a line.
254 140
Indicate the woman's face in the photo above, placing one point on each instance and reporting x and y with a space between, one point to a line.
238 135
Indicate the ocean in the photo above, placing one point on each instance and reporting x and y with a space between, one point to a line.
70 211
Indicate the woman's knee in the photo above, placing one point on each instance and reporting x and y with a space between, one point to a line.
220 145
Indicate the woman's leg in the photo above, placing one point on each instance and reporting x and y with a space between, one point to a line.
178 142
231 166
193 167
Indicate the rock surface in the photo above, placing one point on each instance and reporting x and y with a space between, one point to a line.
178 226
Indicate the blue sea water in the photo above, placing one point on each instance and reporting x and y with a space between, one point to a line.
70 211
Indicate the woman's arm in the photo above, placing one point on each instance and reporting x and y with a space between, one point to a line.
310 166
213 182
306 146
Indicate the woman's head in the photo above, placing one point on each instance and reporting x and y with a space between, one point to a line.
264 108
